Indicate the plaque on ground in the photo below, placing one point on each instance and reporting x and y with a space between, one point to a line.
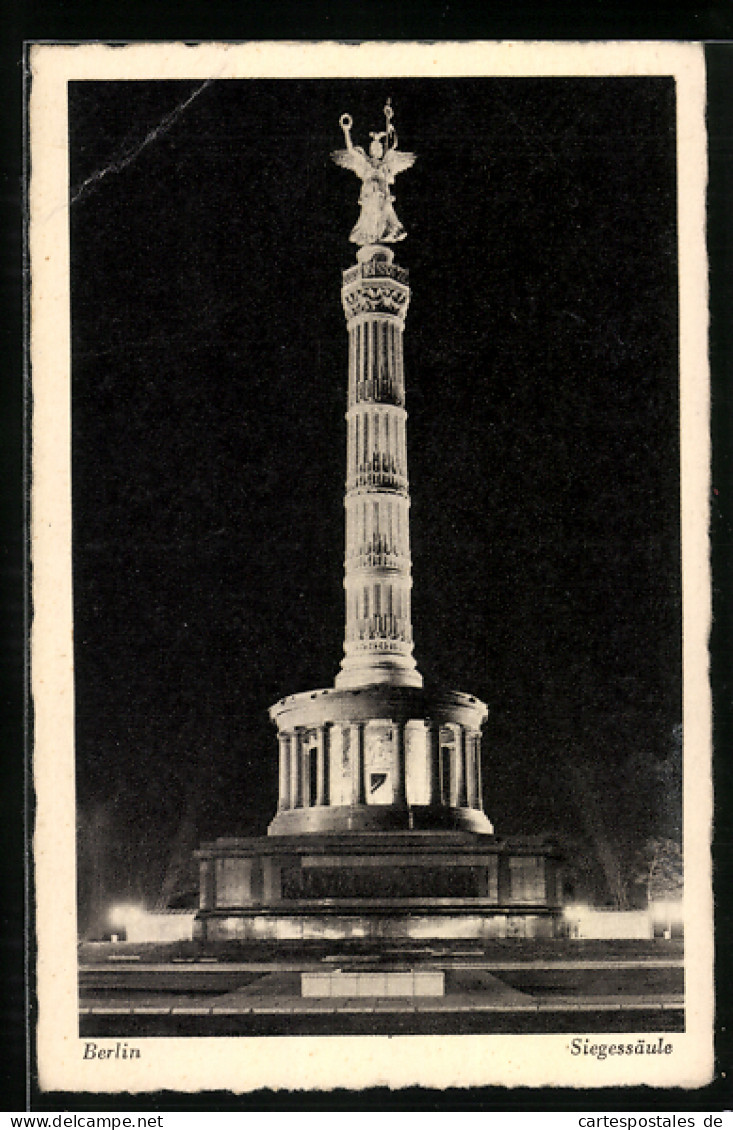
373 983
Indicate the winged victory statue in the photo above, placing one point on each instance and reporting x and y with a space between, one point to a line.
378 221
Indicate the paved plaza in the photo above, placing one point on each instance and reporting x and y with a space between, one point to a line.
561 986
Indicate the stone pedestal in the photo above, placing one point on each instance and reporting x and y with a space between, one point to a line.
389 885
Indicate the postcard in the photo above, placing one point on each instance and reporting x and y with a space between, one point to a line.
370 471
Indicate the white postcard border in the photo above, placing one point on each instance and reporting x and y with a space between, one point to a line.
243 1064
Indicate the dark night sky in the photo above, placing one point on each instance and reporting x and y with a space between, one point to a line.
209 387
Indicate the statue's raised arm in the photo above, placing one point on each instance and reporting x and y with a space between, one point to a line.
378 221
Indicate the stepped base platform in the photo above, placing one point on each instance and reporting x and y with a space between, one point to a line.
384 886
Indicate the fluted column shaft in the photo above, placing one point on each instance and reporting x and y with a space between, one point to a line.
378 574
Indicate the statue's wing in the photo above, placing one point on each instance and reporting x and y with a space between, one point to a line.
397 160
354 159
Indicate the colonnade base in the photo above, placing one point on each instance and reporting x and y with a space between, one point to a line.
373 818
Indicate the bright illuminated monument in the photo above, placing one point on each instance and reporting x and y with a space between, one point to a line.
380 829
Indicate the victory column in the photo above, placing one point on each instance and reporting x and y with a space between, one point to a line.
380 828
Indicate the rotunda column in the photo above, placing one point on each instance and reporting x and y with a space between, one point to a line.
470 763
358 767
284 776
446 774
400 789
296 770
433 752
456 767
452 773
461 766
334 762
479 785
325 775
319 765
306 753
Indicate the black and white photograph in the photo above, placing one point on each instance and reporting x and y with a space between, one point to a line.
374 473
